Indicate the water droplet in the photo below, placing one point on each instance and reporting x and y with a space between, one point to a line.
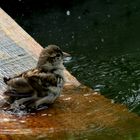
66 99
22 121
112 101
102 40
97 90
79 17
49 115
95 93
96 48
108 15
86 94
68 13
72 36
43 114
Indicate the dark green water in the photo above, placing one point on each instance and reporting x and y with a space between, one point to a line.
104 39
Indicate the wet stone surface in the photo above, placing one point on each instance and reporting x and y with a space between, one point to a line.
79 112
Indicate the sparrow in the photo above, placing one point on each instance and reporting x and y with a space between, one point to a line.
41 85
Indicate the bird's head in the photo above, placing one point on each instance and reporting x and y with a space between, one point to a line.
51 57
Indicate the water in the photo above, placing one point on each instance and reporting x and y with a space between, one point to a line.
116 78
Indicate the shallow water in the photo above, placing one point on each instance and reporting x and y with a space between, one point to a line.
78 114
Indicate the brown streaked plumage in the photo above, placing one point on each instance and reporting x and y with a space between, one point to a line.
41 85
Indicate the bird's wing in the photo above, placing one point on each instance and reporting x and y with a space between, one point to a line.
23 74
19 87
13 93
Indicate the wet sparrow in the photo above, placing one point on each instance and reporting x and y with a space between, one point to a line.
41 85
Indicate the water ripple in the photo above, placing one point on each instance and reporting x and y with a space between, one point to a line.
116 78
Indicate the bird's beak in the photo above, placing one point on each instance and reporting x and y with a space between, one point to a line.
66 54
66 57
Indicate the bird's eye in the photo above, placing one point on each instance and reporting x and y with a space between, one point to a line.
58 55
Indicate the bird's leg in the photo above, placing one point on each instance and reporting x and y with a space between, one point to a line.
45 100
60 82
21 101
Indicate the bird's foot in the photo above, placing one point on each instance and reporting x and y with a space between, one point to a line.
33 106
17 105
